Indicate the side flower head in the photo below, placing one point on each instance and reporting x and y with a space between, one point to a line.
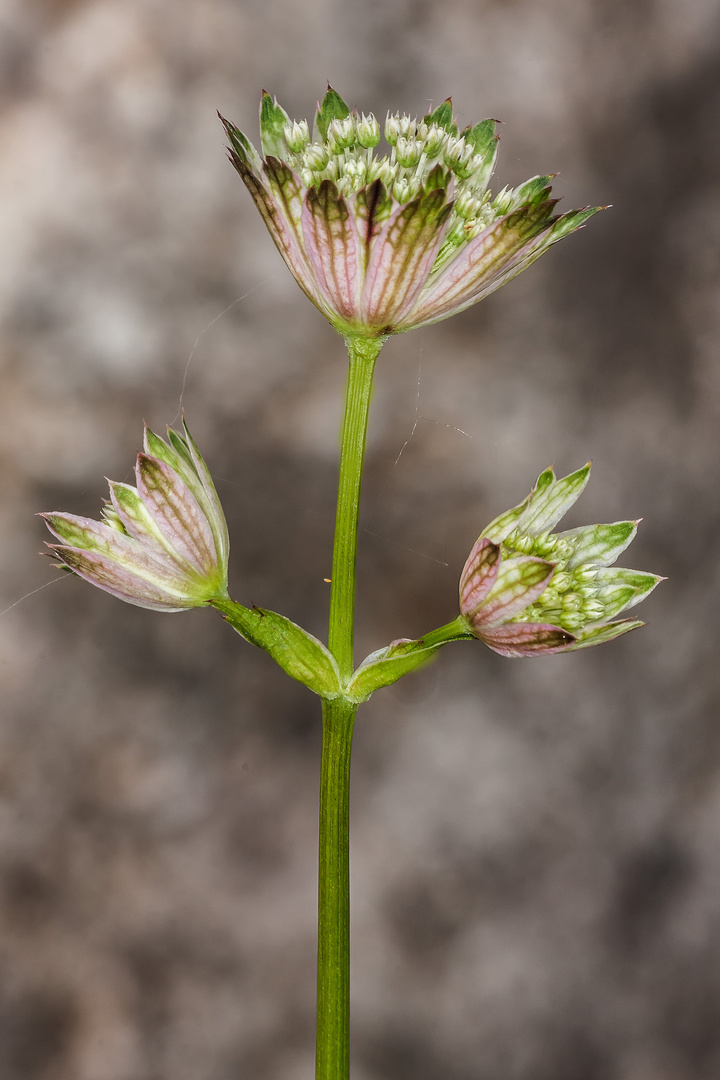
162 544
526 591
383 242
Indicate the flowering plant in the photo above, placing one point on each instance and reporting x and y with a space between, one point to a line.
383 244
380 245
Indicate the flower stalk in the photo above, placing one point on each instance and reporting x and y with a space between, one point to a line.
333 965
362 354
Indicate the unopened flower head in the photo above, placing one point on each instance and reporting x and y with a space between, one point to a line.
525 590
162 544
385 242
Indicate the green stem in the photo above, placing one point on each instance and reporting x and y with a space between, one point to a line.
333 973
362 353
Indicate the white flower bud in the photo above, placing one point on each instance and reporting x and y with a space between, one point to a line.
452 151
563 549
434 141
457 155
524 544
316 157
355 174
550 598
466 205
401 190
572 621
297 135
341 135
503 201
368 131
408 151
392 128
384 171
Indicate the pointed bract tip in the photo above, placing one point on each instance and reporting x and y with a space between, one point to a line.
584 470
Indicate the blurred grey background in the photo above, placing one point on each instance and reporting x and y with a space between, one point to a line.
536 844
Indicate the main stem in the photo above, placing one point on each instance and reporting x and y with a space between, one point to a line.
333 971
333 966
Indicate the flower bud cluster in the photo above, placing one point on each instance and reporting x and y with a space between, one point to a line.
526 590
345 155
577 594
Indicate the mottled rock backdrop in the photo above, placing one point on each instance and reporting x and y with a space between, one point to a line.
536 866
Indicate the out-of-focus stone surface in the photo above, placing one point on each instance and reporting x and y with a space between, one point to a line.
536 843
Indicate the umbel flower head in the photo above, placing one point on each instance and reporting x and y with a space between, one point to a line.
386 240
162 544
525 590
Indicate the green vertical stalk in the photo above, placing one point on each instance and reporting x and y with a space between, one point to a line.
333 969
333 972
362 353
